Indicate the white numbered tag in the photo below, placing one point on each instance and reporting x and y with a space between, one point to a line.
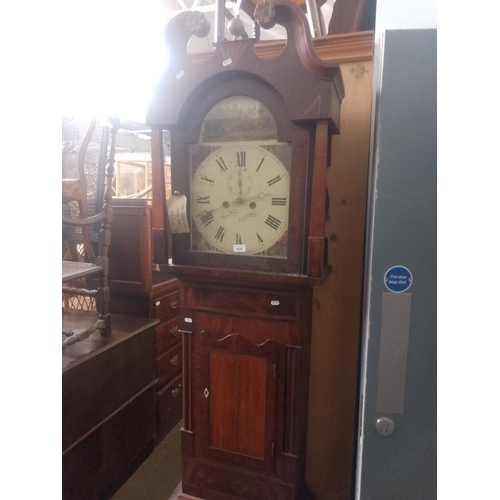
239 248
177 214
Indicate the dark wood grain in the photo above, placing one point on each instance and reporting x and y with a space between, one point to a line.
246 277
169 364
310 97
187 132
108 403
189 90
139 290
123 328
99 461
239 410
167 334
242 301
246 320
130 253
254 415
169 405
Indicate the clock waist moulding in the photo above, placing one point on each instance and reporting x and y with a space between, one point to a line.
250 144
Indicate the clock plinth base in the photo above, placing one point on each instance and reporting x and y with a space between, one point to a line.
219 483
178 494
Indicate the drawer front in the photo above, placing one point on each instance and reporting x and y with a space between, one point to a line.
166 305
167 334
169 406
266 303
169 364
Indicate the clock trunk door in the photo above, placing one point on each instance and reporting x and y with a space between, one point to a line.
238 400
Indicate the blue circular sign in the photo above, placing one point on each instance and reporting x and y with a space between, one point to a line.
398 279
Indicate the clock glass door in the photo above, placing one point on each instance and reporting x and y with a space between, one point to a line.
240 182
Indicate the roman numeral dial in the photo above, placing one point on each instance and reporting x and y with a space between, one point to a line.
241 159
240 200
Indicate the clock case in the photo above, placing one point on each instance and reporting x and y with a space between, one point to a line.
246 321
302 93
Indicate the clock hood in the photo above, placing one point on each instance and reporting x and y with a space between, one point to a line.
297 63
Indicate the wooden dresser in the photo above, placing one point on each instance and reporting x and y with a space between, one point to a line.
168 361
138 289
108 403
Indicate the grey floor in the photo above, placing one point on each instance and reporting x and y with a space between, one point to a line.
158 476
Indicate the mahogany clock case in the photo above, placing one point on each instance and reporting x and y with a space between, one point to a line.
245 375
303 95
245 319
187 133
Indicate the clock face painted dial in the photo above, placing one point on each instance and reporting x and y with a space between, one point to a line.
240 201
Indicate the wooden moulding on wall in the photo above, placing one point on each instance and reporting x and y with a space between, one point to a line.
348 47
332 417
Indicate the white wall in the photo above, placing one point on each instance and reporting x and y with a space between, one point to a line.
405 14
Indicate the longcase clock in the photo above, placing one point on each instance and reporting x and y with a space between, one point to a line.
250 144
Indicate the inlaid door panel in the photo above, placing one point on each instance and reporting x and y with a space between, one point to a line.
239 400
237 403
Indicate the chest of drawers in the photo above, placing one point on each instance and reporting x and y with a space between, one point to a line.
168 361
163 305
137 289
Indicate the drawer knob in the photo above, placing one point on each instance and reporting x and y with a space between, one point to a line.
174 360
174 304
176 391
174 330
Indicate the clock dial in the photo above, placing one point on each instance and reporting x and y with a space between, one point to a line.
240 201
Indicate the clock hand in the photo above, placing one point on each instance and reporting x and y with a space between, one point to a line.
226 205
261 196
241 201
240 184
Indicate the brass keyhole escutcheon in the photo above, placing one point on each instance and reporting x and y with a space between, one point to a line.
205 392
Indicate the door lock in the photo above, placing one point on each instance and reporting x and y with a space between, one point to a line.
385 426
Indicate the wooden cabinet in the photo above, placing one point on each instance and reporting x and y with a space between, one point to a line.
246 364
138 289
108 404
130 257
162 304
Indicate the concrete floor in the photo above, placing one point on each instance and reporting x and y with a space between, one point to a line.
159 475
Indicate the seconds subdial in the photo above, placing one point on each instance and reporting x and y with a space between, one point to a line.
240 183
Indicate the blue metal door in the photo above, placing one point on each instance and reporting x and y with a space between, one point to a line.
397 435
